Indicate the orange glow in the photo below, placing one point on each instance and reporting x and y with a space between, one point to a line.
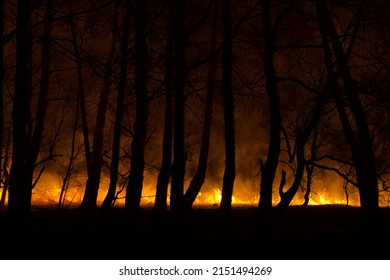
245 193
48 192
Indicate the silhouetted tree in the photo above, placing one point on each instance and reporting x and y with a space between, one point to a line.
360 142
302 139
90 195
228 106
179 152
96 156
119 108
200 175
268 169
164 175
71 163
20 189
27 139
137 163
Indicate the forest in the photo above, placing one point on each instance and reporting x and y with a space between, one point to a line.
194 129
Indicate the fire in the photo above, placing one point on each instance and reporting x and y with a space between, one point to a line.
47 192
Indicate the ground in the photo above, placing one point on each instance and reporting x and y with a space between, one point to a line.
313 232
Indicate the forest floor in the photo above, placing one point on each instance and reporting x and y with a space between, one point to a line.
313 232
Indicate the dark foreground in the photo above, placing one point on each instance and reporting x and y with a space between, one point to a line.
315 232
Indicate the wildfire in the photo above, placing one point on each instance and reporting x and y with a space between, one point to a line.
246 193
210 197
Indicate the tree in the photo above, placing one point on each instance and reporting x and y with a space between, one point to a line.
360 142
96 155
124 53
137 164
27 139
200 175
164 175
228 105
20 189
268 169
179 152
90 195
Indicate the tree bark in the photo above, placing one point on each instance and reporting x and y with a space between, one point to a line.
137 163
363 155
179 151
72 158
89 200
93 182
160 204
19 201
119 111
269 169
228 105
200 175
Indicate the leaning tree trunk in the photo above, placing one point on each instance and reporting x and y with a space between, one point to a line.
164 175
119 111
93 182
363 155
303 137
179 152
228 105
268 170
19 201
36 139
200 175
137 164
89 200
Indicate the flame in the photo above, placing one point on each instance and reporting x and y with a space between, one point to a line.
47 192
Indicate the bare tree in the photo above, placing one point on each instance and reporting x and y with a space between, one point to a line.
179 152
228 105
268 169
360 142
89 199
26 138
137 164
96 155
164 175
200 175
119 109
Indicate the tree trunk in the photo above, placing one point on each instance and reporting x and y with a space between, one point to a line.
200 175
302 138
269 169
72 158
137 164
19 201
90 195
100 123
164 175
36 139
119 111
179 152
228 105
363 156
